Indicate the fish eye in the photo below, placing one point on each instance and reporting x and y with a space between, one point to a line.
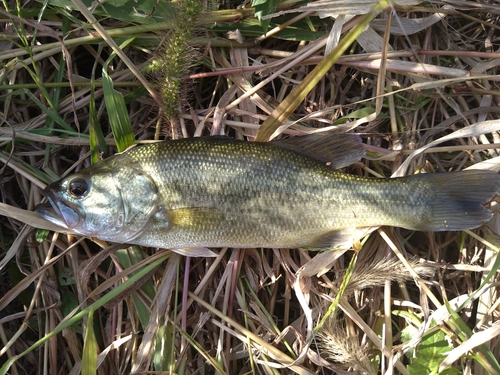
78 187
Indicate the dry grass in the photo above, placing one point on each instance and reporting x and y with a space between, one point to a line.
420 85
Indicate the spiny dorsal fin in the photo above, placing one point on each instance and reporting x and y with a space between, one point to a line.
339 149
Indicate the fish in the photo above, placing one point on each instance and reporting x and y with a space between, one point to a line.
213 192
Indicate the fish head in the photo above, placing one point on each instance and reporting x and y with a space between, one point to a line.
105 201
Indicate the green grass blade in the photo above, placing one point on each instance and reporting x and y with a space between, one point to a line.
263 8
212 361
89 359
97 141
340 293
53 115
487 279
80 315
164 346
292 101
117 109
127 258
144 11
482 354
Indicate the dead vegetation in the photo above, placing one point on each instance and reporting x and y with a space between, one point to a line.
419 84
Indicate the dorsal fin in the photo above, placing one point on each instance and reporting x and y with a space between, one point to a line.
338 149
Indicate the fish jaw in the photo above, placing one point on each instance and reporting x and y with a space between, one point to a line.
59 211
48 212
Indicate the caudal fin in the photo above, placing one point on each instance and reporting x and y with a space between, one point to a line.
459 198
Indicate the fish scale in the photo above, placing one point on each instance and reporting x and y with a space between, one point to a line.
219 192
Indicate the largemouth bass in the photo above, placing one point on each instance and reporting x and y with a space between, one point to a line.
219 192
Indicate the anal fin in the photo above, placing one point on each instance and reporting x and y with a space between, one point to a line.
340 239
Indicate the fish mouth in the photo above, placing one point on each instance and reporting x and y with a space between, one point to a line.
59 212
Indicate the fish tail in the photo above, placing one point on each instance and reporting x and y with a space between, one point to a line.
458 199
